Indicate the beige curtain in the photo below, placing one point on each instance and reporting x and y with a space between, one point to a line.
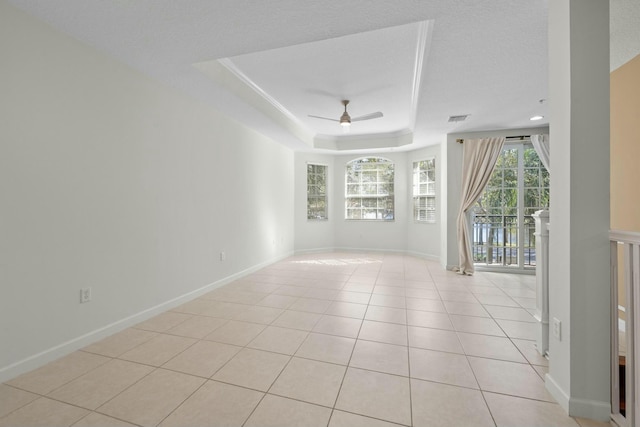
479 157
541 145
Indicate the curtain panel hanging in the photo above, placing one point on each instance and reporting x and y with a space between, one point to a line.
479 157
541 145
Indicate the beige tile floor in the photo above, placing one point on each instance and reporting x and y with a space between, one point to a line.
334 339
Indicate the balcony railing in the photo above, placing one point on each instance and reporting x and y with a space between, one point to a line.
625 324
496 240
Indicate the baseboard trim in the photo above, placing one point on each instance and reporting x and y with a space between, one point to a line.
590 409
576 407
557 392
37 360
428 257
368 250
314 251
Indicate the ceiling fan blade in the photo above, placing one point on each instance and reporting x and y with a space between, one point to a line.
323 118
370 116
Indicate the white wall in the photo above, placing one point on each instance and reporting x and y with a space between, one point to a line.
313 235
111 180
579 281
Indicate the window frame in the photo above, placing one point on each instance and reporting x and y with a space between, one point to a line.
384 201
318 195
524 233
417 194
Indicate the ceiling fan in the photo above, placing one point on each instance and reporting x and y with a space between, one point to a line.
345 119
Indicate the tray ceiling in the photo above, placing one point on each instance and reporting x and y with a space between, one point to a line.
271 64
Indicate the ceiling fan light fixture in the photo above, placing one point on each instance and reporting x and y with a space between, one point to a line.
345 119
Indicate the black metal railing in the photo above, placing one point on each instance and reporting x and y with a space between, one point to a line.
496 240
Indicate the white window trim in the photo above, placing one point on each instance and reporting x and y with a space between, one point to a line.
434 195
521 267
326 194
347 196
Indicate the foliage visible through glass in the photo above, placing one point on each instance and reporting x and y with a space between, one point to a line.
503 228
424 190
316 192
369 189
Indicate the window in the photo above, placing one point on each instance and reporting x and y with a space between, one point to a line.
503 228
424 190
369 189
316 191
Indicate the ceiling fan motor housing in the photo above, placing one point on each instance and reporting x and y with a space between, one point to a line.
345 120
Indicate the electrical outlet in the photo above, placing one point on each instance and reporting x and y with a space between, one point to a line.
85 295
557 329
223 256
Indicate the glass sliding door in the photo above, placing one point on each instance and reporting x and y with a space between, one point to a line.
503 228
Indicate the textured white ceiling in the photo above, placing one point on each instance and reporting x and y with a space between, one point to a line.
375 71
483 58
625 31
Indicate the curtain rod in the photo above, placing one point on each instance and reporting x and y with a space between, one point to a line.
518 137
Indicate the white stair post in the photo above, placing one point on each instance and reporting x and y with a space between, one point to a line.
541 219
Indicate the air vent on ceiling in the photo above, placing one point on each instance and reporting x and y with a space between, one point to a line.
461 118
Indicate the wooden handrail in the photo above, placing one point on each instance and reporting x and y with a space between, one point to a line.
632 237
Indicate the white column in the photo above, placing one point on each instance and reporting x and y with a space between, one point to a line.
541 219
579 299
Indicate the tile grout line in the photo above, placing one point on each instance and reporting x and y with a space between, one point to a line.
280 373
306 278
275 380
513 344
351 355
406 315
478 382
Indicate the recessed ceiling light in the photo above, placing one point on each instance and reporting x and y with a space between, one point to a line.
534 118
